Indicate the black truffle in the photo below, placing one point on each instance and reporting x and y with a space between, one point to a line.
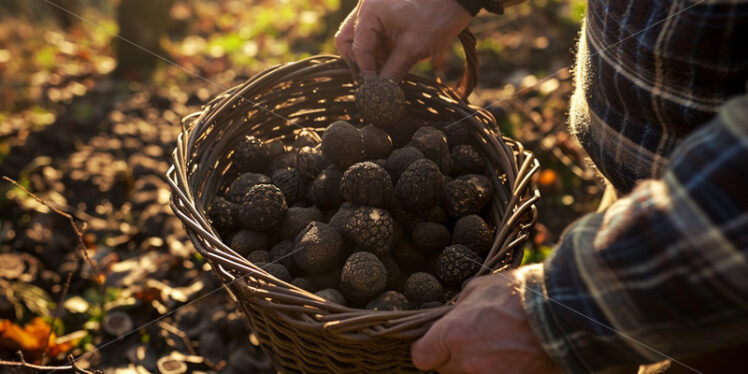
389 300
380 101
372 229
245 242
330 279
282 253
297 218
431 236
325 190
420 186
302 283
241 185
436 214
251 154
433 144
284 161
363 277
259 257
421 288
457 133
340 219
318 248
473 232
400 159
466 160
290 182
467 194
332 295
408 257
223 214
377 143
306 138
366 183
395 277
310 161
277 270
343 144
456 264
263 207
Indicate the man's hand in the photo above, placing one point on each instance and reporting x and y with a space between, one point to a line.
486 332
398 33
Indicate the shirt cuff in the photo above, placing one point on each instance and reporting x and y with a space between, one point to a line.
536 302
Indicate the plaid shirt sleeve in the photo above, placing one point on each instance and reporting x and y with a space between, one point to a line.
664 270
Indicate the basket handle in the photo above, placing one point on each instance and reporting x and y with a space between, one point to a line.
469 78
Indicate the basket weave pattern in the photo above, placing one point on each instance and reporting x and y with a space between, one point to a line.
300 331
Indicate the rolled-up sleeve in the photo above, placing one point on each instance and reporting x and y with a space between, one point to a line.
663 271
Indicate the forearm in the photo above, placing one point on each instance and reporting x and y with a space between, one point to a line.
664 271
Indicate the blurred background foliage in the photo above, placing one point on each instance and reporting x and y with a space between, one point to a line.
88 121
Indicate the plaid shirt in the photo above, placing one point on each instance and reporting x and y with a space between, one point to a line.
664 270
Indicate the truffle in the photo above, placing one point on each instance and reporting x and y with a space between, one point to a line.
371 229
408 257
262 207
421 288
343 144
466 160
380 101
456 264
277 270
330 279
431 236
297 218
457 133
259 256
339 220
284 161
306 138
223 214
395 277
389 300
302 283
318 248
245 242
433 144
420 186
467 194
400 159
310 162
251 154
473 232
377 143
332 295
436 214
363 277
366 183
401 132
282 253
325 190
290 182
241 185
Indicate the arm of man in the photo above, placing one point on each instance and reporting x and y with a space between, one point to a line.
661 273
396 34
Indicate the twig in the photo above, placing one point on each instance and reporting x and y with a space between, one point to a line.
80 251
21 363
174 330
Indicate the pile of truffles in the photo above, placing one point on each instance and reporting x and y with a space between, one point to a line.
350 218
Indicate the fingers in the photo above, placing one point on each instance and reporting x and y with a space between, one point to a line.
403 57
344 35
365 42
431 350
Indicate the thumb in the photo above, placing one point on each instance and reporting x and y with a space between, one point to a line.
365 41
400 61
431 350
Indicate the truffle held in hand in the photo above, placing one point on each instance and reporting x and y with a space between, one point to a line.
380 101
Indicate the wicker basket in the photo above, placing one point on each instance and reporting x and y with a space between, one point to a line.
299 331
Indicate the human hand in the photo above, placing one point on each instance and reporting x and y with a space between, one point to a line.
398 33
486 332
